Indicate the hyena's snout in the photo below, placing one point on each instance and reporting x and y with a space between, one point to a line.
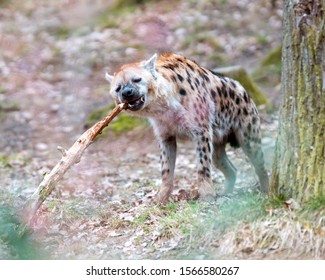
133 98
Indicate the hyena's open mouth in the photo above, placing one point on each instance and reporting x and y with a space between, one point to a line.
136 104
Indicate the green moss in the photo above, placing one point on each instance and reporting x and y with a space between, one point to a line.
273 57
122 123
202 38
269 70
111 16
61 32
4 161
2 90
8 106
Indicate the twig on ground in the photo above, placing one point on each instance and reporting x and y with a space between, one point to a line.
70 157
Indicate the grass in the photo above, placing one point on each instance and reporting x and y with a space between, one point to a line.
121 124
242 227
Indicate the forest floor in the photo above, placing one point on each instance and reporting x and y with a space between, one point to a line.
52 62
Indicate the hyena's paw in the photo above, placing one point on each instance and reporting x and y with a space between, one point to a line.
206 191
163 195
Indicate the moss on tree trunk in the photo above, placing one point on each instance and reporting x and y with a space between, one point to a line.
299 162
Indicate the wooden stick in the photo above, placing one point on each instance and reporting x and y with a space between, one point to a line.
70 157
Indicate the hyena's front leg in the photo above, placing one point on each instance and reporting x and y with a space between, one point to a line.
204 155
168 157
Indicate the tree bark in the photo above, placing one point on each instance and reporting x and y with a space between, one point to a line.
299 162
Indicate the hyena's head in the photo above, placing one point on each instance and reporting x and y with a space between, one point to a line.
133 83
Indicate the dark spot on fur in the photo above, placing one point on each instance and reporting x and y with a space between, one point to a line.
246 97
170 66
165 171
231 93
233 84
245 111
180 77
190 66
182 91
237 100
225 93
174 79
213 93
254 120
206 78
249 127
219 75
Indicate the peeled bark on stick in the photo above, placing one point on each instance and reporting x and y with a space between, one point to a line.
70 157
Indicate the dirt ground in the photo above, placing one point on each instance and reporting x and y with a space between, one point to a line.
53 56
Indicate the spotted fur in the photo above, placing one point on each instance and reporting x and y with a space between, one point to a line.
182 98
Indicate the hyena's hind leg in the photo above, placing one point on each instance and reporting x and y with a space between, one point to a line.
222 162
251 145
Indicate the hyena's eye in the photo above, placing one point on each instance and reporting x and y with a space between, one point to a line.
118 88
136 80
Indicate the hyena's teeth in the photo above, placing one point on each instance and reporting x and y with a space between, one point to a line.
142 99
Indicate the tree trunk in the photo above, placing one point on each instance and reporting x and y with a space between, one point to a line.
299 162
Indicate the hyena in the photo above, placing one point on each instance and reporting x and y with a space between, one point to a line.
182 98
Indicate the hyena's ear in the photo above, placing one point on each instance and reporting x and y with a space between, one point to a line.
150 65
109 78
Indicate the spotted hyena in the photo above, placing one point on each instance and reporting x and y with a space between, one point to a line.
182 98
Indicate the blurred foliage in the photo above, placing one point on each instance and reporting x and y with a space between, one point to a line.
18 241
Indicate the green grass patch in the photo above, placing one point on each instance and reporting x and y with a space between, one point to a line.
119 125
315 203
4 161
186 220
111 16
269 70
61 32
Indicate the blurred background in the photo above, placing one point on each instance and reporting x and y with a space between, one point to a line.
53 57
